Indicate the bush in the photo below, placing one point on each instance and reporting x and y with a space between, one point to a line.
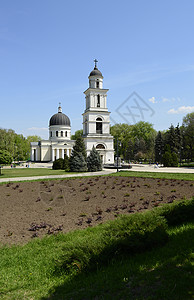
61 164
170 159
177 212
5 157
94 162
127 234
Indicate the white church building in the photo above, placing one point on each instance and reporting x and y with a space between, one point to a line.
96 127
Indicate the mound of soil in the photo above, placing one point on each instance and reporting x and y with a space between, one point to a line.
34 209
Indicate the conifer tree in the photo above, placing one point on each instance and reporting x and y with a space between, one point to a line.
159 147
79 146
77 161
94 162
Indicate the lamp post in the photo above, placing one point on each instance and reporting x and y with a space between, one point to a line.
118 143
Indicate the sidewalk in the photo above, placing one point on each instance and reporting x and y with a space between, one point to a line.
103 172
135 167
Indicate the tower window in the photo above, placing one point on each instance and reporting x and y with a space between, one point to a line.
98 100
97 84
57 133
65 133
50 133
99 125
61 133
100 146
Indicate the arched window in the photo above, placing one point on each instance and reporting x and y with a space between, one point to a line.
100 146
57 133
99 125
65 133
98 100
61 133
50 133
97 84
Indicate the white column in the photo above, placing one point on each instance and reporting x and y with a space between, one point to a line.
63 153
37 154
57 155
53 154
69 152
32 154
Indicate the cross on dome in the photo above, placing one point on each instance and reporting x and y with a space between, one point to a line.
95 61
59 108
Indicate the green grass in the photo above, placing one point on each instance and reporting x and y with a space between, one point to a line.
28 172
71 266
162 273
181 176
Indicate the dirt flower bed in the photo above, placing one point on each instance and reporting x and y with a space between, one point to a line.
34 209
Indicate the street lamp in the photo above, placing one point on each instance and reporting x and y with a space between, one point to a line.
118 144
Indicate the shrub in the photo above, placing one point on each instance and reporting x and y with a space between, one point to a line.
178 212
127 234
170 159
61 164
5 157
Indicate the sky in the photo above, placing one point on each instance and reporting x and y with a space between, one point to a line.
145 51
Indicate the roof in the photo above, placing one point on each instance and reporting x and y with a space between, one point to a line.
96 72
59 119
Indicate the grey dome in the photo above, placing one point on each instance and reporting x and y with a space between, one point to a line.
59 119
96 72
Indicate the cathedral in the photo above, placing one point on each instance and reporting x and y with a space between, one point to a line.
96 127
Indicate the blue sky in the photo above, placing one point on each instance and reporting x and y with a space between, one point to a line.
47 50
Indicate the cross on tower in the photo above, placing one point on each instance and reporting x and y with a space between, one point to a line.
95 63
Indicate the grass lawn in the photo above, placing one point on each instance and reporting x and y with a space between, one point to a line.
28 172
180 176
27 272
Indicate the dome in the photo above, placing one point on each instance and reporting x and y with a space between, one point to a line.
59 119
96 72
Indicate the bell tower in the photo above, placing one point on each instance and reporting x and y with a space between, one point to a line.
96 120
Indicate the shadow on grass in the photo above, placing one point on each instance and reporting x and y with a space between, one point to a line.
163 273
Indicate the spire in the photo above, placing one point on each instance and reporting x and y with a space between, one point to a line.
59 108
95 61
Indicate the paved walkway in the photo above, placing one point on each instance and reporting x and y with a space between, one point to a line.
135 167
104 172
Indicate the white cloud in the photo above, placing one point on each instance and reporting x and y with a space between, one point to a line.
153 100
173 99
37 128
182 110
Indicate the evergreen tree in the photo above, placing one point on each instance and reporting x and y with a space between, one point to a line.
159 147
93 161
79 147
77 162
170 139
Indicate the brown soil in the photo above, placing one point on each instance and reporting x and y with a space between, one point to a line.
34 209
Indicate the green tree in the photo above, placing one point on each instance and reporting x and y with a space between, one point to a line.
187 130
94 162
159 147
5 157
77 162
79 147
78 133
